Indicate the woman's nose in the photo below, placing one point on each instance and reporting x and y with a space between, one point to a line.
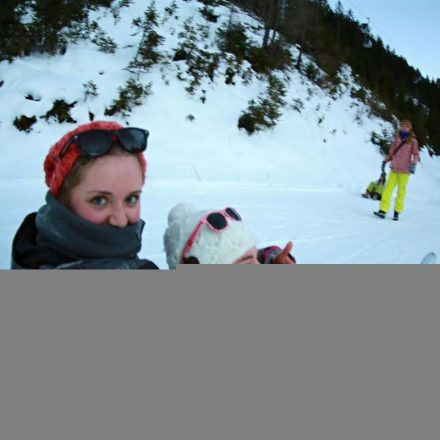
118 217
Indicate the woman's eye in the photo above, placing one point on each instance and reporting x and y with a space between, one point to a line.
99 201
133 199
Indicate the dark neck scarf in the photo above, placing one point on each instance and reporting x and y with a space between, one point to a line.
67 233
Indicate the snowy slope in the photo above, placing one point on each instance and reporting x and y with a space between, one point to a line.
300 181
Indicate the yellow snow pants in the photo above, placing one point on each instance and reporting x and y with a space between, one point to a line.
401 180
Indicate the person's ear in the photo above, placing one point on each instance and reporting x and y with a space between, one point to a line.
190 260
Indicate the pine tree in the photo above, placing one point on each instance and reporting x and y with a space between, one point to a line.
147 54
131 95
14 35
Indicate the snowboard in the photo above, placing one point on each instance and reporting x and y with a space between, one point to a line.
429 258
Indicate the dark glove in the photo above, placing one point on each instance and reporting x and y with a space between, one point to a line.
412 168
383 166
269 254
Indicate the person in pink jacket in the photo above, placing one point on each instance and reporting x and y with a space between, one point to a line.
404 155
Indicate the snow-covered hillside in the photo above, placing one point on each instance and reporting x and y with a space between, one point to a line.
300 181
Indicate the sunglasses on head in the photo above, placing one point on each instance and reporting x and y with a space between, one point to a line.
95 143
216 221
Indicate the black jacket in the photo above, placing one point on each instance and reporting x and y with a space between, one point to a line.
56 238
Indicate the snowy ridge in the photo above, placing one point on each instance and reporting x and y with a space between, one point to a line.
300 181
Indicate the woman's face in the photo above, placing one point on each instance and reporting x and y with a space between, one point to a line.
405 127
109 192
249 257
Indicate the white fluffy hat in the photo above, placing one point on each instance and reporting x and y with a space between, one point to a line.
210 247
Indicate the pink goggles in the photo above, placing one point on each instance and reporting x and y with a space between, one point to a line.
216 221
